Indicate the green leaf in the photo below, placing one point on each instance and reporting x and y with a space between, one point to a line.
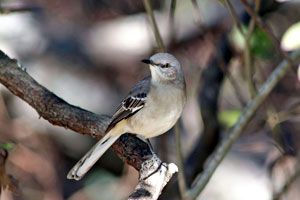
291 38
261 44
7 146
229 117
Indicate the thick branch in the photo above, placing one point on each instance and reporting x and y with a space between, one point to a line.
150 187
58 112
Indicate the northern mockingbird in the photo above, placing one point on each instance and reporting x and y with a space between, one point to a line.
151 108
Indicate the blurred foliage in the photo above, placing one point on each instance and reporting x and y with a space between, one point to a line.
7 146
260 43
229 117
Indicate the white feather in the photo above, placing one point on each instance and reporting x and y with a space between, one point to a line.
91 157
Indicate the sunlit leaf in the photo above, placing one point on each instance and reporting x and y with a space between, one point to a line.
238 38
291 38
229 117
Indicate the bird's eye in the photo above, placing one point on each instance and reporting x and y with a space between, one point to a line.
165 65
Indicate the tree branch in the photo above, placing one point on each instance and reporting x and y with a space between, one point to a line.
179 157
236 131
58 112
149 10
150 187
11 8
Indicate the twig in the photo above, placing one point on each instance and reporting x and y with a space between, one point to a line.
8 8
172 9
181 183
240 125
172 19
58 112
255 19
236 88
198 12
249 64
179 157
235 17
247 51
288 183
149 10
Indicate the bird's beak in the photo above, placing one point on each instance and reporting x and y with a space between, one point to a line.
147 61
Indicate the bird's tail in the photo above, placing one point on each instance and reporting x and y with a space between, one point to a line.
91 157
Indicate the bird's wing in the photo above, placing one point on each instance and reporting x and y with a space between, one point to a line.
134 102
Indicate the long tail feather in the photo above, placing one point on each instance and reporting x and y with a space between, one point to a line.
91 157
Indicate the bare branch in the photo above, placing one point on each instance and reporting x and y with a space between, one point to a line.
181 177
246 37
172 19
151 185
244 119
149 10
236 88
10 8
234 17
248 55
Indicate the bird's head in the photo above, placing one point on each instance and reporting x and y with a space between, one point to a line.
164 67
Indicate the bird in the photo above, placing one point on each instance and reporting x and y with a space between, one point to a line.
151 108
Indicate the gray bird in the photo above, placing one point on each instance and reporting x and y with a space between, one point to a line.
150 109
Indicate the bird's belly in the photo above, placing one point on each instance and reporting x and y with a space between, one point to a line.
156 119
151 125
157 125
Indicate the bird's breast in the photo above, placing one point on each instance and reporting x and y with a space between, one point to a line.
160 112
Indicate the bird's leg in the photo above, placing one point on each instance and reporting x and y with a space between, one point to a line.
146 140
151 147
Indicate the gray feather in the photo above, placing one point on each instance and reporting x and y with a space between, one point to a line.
134 101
